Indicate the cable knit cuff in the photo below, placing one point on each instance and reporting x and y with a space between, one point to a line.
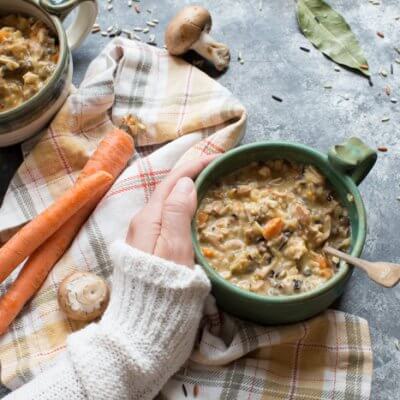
147 331
151 288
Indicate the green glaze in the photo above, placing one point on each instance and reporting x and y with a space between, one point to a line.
352 157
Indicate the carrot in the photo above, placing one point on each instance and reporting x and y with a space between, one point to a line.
35 232
273 228
207 252
111 155
202 217
323 262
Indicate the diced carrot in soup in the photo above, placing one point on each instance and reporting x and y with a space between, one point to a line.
273 228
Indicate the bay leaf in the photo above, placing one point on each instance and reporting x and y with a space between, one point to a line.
329 32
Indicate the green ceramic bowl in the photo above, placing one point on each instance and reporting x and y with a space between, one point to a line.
345 166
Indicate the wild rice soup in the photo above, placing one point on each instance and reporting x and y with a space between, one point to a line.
263 228
28 58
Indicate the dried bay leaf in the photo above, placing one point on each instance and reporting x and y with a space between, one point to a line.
329 32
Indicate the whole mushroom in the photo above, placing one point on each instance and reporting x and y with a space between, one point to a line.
83 296
189 29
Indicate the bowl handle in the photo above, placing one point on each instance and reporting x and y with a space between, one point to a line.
353 157
83 22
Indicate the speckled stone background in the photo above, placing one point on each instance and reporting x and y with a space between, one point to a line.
269 40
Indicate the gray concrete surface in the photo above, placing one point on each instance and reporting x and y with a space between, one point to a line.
269 41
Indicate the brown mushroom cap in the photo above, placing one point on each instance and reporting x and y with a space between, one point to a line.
185 28
83 296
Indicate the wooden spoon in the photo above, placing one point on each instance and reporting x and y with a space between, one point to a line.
384 273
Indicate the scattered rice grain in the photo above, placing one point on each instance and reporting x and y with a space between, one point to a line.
327 86
385 119
196 390
380 34
110 7
397 60
104 33
150 23
388 90
382 149
383 72
156 21
277 98
350 198
137 9
393 100
145 30
138 29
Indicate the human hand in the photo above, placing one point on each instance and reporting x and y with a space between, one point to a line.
162 227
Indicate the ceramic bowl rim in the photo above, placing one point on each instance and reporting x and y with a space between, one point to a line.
34 101
345 270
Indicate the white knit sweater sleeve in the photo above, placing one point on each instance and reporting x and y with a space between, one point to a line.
145 335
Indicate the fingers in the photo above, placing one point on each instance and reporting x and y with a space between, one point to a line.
145 227
174 242
190 169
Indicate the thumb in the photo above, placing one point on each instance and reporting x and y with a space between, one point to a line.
174 242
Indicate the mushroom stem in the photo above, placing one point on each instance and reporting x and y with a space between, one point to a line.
215 52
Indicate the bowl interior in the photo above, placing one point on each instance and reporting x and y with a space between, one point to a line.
342 184
29 8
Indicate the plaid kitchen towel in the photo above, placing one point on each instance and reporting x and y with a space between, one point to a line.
180 113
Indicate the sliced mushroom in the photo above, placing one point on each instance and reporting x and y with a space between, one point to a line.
83 296
189 29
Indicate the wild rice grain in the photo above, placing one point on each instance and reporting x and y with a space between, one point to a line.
380 34
307 50
391 69
184 390
277 98
382 149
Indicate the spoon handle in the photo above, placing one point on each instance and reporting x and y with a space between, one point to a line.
365 265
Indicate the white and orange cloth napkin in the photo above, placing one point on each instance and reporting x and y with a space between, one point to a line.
186 114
